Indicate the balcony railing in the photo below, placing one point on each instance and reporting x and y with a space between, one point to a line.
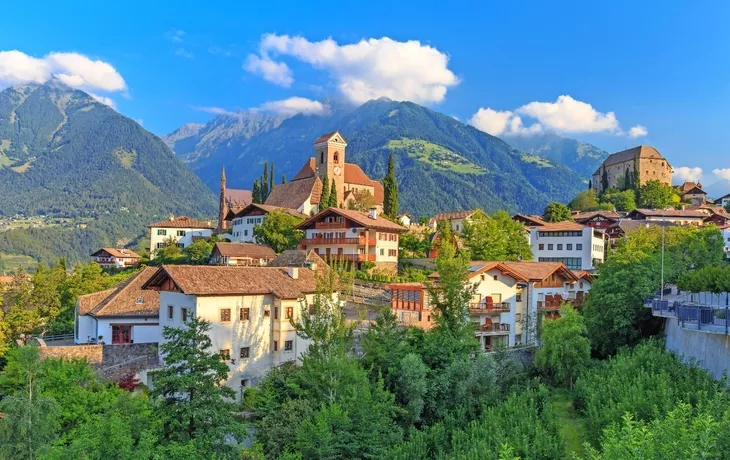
554 305
494 328
398 304
691 315
328 225
349 257
485 307
360 241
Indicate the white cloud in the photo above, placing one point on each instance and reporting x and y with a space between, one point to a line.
276 72
723 173
369 69
294 105
175 35
568 115
214 110
182 52
497 123
104 100
687 174
72 69
638 131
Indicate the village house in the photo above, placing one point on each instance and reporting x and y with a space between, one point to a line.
303 192
181 230
577 246
616 231
120 315
245 219
405 220
250 309
692 192
726 237
352 236
676 216
115 258
299 258
632 167
529 220
230 201
241 254
456 218
723 200
597 219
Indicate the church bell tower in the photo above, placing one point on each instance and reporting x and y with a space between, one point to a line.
330 157
222 204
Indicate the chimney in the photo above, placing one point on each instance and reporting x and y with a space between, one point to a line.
172 217
373 214
294 273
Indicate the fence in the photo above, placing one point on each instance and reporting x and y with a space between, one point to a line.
693 316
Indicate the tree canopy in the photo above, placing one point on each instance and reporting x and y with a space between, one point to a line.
278 231
556 212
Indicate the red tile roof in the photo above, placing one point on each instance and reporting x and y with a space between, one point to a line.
244 250
238 198
328 136
361 218
669 213
126 300
267 209
181 222
119 253
584 216
478 267
535 220
562 227
452 215
294 194
205 280
538 271
308 170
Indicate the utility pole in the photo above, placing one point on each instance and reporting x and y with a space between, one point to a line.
664 214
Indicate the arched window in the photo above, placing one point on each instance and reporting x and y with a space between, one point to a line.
321 157
337 157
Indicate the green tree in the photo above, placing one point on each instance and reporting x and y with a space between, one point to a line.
265 190
727 206
498 237
170 252
256 193
198 252
362 200
623 201
324 199
604 178
586 201
283 178
656 195
192 398
279 231
271 178
556 212
565 349
390 189
28 426
333 195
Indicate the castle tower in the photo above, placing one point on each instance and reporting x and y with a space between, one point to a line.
330 157
222 204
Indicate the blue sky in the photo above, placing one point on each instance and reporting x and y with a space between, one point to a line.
660 67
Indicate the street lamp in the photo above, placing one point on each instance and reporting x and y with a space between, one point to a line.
664 214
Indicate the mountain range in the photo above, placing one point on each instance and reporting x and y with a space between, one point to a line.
441 163
62 153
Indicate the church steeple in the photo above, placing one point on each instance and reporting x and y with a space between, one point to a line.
222 204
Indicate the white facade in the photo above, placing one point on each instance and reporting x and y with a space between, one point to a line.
88 329
242 228
502 323
726 238
253 329
405 220
578 249
353 243
183 236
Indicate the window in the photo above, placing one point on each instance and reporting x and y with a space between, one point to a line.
573 263
382 251
276 312
170 312
569 247
276 345
140 300
225 354
180 245
245 352
289 313
121 334
288 345
578 247
321 157
184 314
483 277
550 247
181 233
245 314
518 297
225 315
267 313
162 232
245 383
496 277
518 317
541 247
337 157
560 247
160 245
393 252
245 232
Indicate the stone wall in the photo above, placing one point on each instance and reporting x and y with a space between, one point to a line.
712 351
111 361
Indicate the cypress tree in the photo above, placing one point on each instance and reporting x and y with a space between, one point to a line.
256 191
265 183
390 189
324 200
283 178
333 195
271 178
604 179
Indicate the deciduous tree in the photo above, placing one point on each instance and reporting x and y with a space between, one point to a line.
565 349
278 231
556 212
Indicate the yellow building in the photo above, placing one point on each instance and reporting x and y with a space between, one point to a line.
635 166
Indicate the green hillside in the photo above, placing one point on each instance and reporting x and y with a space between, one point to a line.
578 156
64 154
441 163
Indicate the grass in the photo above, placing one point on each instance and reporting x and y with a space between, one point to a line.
126 157
11 262
20 169
539 161
436 156
572 424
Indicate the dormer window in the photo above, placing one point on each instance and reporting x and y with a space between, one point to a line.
140 300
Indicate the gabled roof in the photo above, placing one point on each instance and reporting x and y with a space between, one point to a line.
565 226
452 215
531 219
294 194
586 216
267 209
582 274
308 170
478 267
297 258
237 198
126 300
361 218
121 253
329 136
667 213
181 222
627 225
719 200
642 151
538 271
244 250
208 280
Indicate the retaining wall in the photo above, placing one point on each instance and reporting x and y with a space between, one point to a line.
111 361
712 351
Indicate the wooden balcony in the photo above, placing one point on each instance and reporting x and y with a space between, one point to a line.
400 304
488 307
553 303
493 329
329 225
349 257
360 241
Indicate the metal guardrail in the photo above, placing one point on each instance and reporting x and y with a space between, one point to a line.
691 315
50 338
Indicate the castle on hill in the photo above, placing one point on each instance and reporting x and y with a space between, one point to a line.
304 191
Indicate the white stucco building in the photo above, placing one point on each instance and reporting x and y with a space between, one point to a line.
115 258
726 238
250 310
120 315
352 236
243 221
182 229
577 246
456 218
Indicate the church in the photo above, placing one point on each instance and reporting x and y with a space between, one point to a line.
303 192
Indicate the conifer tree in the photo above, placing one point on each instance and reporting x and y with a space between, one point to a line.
271 178
390 188
283 178
265 183
324 200
333 195
256 193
